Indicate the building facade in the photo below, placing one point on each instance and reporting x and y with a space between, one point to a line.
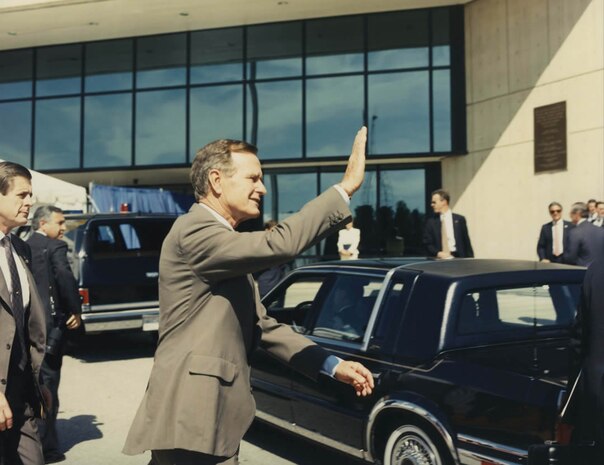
124 92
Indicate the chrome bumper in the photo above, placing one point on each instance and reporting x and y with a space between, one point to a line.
145 319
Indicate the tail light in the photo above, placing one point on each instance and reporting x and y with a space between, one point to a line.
85 299
563 432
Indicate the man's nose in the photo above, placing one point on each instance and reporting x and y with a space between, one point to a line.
261 188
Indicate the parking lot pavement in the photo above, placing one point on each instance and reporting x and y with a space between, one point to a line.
103 380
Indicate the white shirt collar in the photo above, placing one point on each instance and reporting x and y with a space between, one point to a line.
220 218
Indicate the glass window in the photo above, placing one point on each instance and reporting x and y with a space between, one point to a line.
334 45
269 211
141 238
491 310
274 50
217 56
398 40
108 130
15 132
345 311
161 61
363 206
274 119
130 236
57 141
441 50
59 70
291 302
16 73
293 191
402 211
334 112
109 65
399 113
216 113
441 88
160 127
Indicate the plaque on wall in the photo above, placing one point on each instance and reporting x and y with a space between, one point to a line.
550 137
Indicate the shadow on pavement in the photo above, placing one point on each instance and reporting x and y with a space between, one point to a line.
78 429
294 448
112 346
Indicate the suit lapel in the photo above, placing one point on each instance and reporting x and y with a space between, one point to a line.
4 294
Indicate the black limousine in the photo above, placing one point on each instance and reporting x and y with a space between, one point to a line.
470 357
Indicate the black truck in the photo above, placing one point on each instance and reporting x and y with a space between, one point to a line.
115 258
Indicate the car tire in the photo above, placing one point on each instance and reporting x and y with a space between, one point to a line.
413 445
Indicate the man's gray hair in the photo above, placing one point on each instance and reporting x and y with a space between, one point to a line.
215 156
43 212
580 207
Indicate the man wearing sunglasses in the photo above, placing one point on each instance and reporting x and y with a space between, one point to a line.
554 236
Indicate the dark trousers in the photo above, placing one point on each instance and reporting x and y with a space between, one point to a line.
188 457
51 377
20 445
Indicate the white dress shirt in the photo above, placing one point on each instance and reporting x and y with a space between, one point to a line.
558 236
20 269
447 217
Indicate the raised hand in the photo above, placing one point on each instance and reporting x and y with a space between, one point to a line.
355 170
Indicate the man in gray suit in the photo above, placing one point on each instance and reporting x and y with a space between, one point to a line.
22 326
198 403
586 240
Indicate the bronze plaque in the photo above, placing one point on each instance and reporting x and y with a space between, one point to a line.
550 137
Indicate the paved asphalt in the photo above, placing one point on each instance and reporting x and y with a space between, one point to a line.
103 380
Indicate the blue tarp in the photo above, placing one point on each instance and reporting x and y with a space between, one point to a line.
110 198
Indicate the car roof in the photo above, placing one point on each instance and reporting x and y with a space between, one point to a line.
87 216
446 268
474 266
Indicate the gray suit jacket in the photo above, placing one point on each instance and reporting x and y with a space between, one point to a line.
585 245
198 397
36 323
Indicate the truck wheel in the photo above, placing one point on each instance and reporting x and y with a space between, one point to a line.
411 445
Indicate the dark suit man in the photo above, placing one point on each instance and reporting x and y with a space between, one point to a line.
58 291
446 234
599 221
586 240
589 395
22 326
549 250
198 403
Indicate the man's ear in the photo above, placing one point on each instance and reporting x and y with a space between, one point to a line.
215 179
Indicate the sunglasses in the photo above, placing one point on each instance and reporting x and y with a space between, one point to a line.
555 211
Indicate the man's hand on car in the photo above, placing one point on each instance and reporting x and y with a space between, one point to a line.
355 374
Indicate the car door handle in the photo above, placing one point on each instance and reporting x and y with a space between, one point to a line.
152 274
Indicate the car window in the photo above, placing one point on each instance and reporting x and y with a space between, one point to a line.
130 236
345 310
291 302
512 309
134 237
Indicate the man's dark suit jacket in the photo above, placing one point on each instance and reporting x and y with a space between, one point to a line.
586 244
432 237
546 240
589 395
54 279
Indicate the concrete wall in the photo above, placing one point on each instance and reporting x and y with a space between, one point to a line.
522 54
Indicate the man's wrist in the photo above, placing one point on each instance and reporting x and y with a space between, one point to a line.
345 195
